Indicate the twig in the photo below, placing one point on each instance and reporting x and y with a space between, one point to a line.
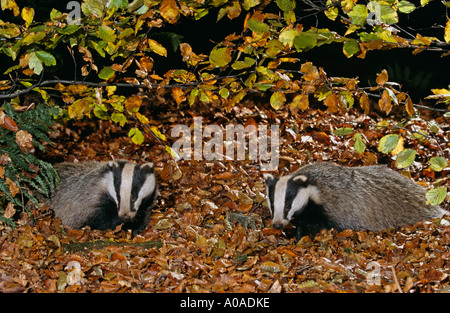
397 284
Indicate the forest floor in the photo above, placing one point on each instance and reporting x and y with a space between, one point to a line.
210 229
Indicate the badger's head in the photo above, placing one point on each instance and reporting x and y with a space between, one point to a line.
288 196
131 186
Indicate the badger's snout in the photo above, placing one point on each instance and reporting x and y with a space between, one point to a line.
278 225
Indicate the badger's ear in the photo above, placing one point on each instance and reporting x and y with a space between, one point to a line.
300 178
268 177
147 167
112 165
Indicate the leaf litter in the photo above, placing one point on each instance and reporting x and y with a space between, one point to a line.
210 230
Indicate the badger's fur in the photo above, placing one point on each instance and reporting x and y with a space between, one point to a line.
103 195
326 195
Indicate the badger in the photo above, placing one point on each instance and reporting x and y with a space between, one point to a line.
103 195
327 195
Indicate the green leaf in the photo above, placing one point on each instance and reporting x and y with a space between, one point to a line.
106 73
239 65
405 158
332 12
69 29
387 143
305 41
136 136
56 15
220 57
388 15
277 99
286 5
343 131
263 86
437 164
35 63
257 26
351 47
287 37
224 93
274 47
46 57
437 195
359 146
406 6
358 14
106 33
101 112
119 118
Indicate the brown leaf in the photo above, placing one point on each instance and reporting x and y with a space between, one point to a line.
332 102
13 188
169 11
385 102
365 104
178 95
345 233
9 211
310 72
133 103
382 78
24 140
409 107
7 122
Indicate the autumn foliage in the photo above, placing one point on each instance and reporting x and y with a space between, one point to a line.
116 77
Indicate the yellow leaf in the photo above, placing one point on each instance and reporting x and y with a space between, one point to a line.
157 133
27 15
447 32
136 136
172 152
399 146
277 99
111 90
440 91
77 109
157 47
220 57
11 5
143 119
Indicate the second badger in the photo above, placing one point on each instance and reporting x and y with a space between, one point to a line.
103 195
326 195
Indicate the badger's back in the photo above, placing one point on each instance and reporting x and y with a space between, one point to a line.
368 197
76 199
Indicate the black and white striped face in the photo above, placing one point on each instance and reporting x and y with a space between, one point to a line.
287 196
131 186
